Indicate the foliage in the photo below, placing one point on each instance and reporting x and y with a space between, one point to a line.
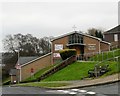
66 53
38 74
27 45
7 82
9 59
96 32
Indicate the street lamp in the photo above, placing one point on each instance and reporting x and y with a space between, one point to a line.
18 67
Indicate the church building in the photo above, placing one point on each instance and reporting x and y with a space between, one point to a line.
83 44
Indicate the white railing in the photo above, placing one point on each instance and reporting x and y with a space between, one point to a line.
96 56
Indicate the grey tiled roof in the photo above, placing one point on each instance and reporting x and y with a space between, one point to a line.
114 30
13 72
23 60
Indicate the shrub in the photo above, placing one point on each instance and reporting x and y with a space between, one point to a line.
66 53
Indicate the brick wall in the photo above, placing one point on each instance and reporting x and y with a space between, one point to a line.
64 41
38 64
91 42
104 46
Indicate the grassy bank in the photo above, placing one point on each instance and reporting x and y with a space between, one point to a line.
79 70
105 55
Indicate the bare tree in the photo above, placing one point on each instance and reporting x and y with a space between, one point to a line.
27 44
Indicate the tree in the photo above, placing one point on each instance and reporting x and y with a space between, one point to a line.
27 44
96 32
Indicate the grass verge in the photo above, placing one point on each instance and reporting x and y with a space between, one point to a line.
44 84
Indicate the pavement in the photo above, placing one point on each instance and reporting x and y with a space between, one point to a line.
88 82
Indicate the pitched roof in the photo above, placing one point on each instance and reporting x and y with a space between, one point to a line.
79 32
23 60
28 61
13 72
113 30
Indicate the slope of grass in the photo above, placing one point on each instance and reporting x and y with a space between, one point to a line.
106 55
75 71
79 70
39 73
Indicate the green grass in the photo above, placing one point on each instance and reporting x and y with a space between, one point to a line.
106 55
39 73
75 71
44 84
79 70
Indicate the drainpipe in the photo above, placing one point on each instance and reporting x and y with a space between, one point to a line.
52 53
99 47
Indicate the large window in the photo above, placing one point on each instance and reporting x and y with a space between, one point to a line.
75 38
115 37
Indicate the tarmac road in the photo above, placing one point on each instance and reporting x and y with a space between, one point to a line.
103 90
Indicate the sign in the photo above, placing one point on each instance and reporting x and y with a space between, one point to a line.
32 70
91 47
56 54
18 66
58 47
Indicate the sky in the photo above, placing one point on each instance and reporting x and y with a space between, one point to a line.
55 18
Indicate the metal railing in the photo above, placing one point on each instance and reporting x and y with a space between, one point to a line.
96 56
58 67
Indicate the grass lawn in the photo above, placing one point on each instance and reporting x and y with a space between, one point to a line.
44 84
79 70
39 73
105 55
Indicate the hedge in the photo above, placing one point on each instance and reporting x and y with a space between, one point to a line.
66 53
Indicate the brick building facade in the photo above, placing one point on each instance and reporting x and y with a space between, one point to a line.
113 36
75 40
83 44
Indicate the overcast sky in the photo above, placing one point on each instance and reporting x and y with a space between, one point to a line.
55 18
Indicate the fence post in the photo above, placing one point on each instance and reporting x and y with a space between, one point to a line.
113 53
107 55
102 56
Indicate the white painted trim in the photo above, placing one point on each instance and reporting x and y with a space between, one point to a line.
105 42
91 44
75 32
36 59
99 47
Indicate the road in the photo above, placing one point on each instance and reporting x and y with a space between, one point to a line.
103 90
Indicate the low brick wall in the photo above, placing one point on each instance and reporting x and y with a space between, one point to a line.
35 65
59 67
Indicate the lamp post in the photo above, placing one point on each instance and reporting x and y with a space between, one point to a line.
18 67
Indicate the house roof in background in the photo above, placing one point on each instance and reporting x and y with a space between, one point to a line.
13 72
113 30
23 60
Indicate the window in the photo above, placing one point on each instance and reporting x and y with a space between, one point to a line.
115 37
75 38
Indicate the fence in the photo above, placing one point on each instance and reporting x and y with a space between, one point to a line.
58 67
96 56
